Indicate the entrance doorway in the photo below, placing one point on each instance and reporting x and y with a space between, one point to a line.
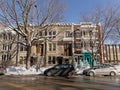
33 61
87 57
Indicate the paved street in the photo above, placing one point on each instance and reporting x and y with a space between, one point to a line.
59 83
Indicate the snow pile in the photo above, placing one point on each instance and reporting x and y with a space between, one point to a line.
80 70
21 70
117 67
42 69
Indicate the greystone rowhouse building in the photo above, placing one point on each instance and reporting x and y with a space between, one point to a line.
64 43
7 47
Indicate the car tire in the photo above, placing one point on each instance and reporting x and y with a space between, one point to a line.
91 73
71 73
112 73
48 73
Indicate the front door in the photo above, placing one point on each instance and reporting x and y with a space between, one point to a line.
87 57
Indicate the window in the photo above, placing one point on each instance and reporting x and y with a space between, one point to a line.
3 57
52 46
78 45
6 57
4 47
90 33
10 36
52 34
85 45
4 36
81 44
87 34
7 47
22 48
84 33
7 36
68 34
51 59
78 35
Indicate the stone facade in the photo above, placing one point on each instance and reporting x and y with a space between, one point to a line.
63 43
7 47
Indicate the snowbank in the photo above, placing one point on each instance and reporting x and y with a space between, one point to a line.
21 70
42 69
80 70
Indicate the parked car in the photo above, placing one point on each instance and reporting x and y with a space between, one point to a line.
104 69
118 68
86 71
60 70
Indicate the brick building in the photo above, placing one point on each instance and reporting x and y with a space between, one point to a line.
112 53
87 43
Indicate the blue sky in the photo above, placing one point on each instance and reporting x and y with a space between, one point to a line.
75 7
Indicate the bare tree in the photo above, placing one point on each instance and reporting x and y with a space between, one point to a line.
109 17
29 17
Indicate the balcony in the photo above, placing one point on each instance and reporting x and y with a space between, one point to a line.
67 39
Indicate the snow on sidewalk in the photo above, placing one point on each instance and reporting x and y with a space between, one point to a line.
21 70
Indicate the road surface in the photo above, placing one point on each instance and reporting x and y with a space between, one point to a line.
59 83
